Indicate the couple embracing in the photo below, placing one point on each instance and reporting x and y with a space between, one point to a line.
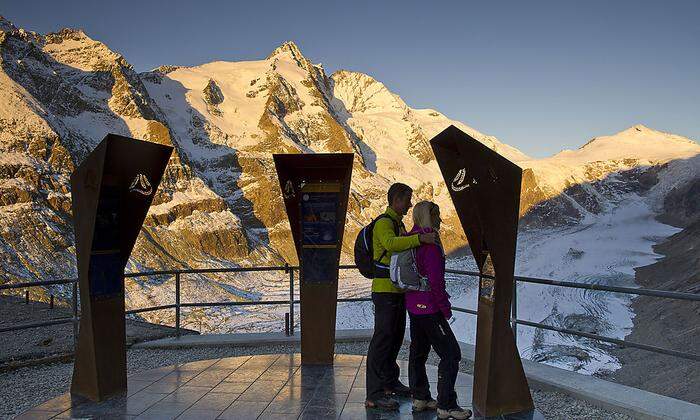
428 308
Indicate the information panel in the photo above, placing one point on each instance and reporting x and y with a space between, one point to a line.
318 218
319 232
106 236
105 272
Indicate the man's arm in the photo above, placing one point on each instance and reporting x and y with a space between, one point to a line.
384 230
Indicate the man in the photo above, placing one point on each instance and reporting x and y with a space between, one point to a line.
389 305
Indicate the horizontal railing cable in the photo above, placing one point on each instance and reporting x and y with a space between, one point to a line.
617 289
26 284
208 270
17 327
623 343
689 356
465 310
149 309
593 286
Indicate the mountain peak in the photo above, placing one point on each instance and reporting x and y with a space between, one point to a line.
636 131
75 48
66 34
636 142
349 74
290 52
638 128
290 48
360 92
6 25
637 134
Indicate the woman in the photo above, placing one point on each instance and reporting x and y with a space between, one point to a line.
429 312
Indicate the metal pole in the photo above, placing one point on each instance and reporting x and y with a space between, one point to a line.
51 302
177 304
291 301
75 316
514 311
26 297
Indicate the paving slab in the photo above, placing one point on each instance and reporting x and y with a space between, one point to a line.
265 387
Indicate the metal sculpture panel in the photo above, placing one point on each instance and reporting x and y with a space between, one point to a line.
315 189
485 189
111 192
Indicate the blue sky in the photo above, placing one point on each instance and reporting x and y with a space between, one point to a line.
541 76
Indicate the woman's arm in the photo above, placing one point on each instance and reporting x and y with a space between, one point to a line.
435 270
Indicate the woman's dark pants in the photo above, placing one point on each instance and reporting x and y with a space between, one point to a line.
426 331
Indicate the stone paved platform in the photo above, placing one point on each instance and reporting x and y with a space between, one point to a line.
247 387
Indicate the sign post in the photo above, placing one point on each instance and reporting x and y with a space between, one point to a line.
111 193
485 189
315 189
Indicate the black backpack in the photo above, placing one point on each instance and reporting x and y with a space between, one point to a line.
364 249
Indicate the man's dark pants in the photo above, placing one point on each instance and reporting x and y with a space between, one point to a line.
389 328
433 330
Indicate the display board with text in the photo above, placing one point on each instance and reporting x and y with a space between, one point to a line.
315 189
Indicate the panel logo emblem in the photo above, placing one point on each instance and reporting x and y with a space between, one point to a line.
141 185
288 189
459 182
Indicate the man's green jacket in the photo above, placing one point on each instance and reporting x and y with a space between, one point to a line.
384 238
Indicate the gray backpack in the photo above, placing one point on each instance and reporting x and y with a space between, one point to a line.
404 274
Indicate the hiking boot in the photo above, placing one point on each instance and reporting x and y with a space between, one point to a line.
422 405
455 412
386 403
398 389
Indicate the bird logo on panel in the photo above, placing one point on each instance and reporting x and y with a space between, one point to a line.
141 185
288 189
458 182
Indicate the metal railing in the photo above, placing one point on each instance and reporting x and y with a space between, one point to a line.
289 270
595 287
74 306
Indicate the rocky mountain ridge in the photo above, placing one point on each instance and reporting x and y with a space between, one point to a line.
218 202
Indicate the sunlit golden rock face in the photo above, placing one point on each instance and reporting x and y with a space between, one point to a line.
219 201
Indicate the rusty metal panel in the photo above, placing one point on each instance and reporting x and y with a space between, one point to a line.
485 189
313 186
112 190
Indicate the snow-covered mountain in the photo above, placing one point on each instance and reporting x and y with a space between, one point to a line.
62 92
575 184
592 215
219 202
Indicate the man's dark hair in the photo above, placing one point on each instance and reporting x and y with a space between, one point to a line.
398 190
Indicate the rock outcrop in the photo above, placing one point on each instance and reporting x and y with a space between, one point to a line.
219 203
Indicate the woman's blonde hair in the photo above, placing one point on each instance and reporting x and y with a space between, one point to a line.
422 216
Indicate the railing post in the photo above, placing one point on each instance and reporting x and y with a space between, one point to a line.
291 298
177 304
75 316
514 311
